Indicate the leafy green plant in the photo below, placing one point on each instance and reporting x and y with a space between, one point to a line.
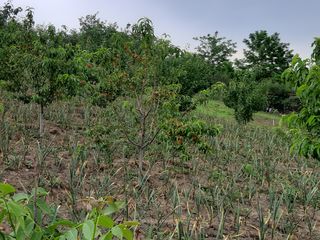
17 211
183 134
249 169
304 125
245 98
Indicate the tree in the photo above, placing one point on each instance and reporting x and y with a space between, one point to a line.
8 13
266 54
12 37
216 52
245 97
195 74
43 72
305 124
147 108
214 49
146 100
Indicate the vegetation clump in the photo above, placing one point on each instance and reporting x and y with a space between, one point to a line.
135 138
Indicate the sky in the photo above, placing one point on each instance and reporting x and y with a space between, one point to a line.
297 21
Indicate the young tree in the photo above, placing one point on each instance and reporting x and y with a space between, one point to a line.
42 73
305 124
148 104
11 34
146 99
245 97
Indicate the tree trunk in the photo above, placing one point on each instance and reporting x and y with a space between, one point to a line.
141 158
142 140
41 121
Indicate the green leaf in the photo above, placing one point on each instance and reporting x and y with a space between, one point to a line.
3 213
248 169
44 207
107 236
113 207
127 234
6 189
40 192
88 229
36 235
21 234
65 223
131 223
105 221
29 226
16 209
3 84
117 231
20 196
72 234
311 120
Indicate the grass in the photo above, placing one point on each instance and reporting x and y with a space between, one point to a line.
248 187
217 109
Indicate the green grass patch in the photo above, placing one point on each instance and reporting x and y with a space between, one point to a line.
217 109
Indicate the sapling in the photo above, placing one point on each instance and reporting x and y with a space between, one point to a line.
40 75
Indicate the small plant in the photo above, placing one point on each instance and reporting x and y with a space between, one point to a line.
249 170
184 133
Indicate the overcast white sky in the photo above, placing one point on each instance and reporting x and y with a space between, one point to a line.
297 21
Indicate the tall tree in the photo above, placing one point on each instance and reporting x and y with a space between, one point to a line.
216 50
266 54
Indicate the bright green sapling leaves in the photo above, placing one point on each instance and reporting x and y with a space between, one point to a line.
17 211
305 124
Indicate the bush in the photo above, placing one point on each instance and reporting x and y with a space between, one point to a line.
245 98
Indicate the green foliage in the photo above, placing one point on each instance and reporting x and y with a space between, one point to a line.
305 124
1 107
246 98
18 211
182 134
280 96
95 33
45 69
248 169
194 73
8 13
216 50
266 53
